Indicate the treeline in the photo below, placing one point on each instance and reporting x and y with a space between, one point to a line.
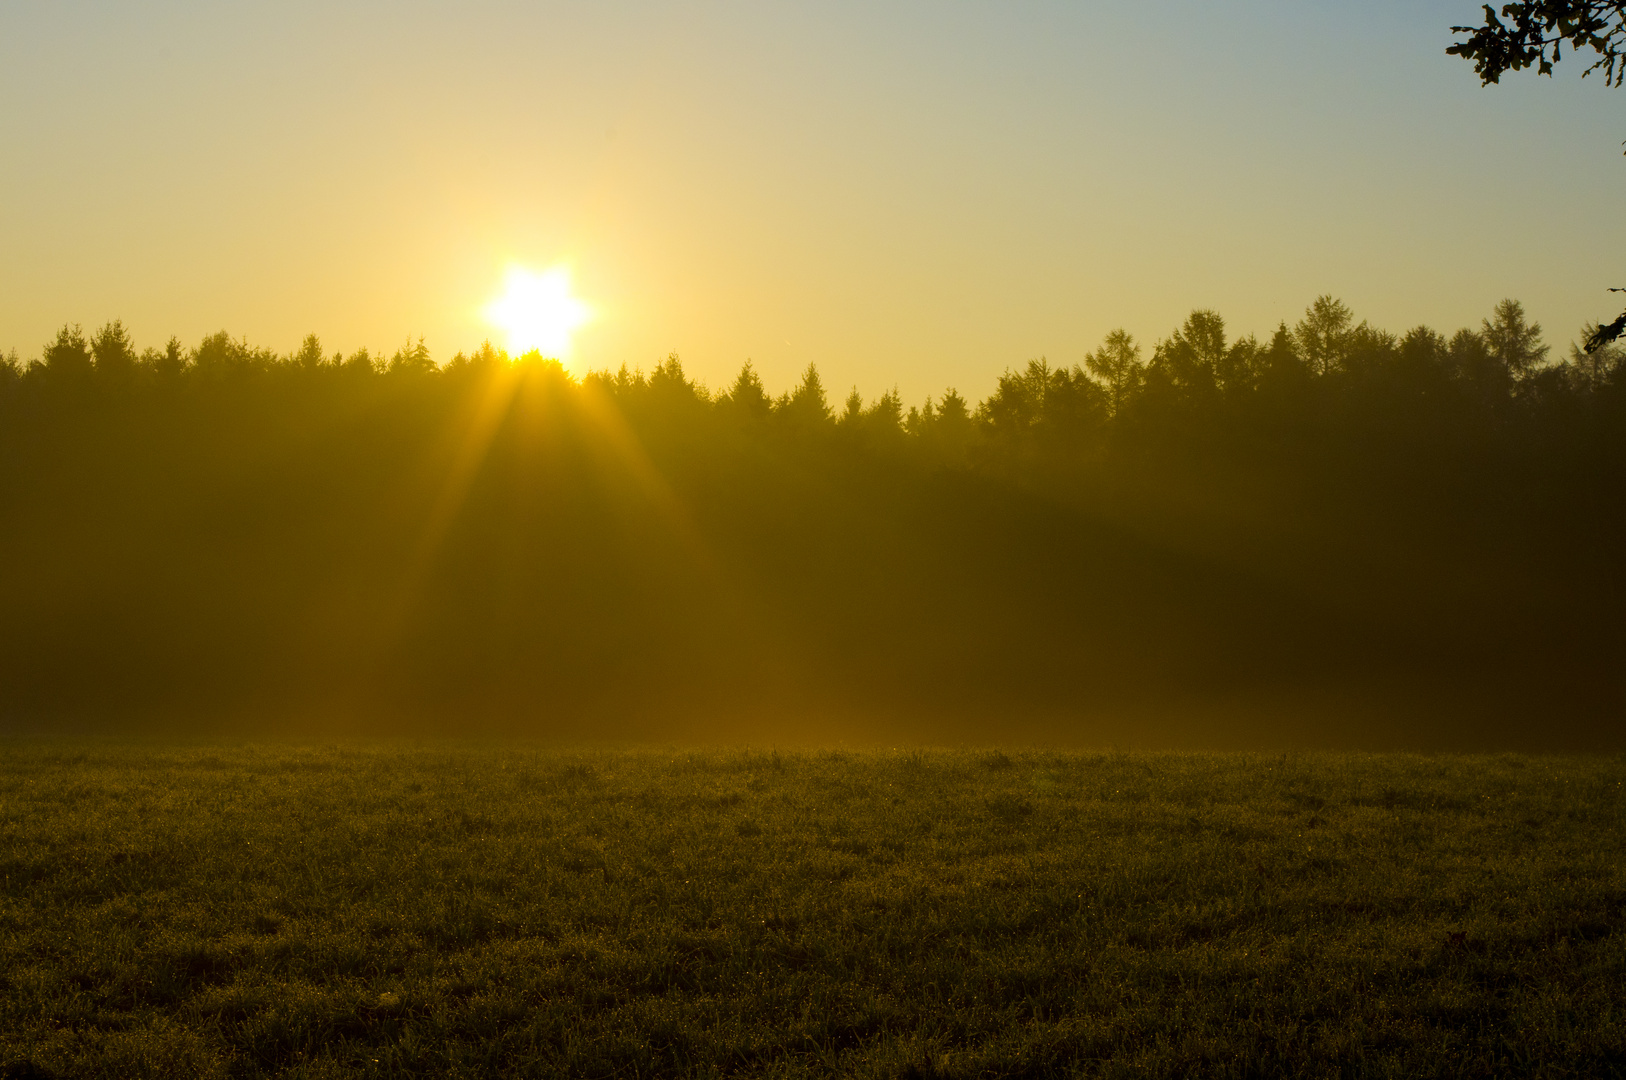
1336 536
1497 378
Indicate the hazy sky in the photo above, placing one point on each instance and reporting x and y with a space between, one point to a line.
910 194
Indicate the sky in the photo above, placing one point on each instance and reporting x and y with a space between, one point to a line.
912 195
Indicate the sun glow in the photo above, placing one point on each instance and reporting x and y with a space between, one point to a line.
536 311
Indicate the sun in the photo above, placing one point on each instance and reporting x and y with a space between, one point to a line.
536 311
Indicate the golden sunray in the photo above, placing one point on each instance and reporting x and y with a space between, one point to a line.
472 436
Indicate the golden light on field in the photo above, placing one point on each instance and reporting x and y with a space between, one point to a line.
537 311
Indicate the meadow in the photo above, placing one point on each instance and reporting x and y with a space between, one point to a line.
395 909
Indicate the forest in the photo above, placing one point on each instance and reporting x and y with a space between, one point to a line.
1339 536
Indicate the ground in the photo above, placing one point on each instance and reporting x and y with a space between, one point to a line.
454 910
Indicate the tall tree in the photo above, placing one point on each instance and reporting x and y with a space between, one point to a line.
807 405
1323 336
1193 353
1512 342
746 398
69 354
1020 401
409 358
884 416
1594 369
853 410
945 428
111 346
1280 365
172 361
1118 368
309 355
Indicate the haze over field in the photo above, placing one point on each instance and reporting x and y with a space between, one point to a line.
912 195
1337 536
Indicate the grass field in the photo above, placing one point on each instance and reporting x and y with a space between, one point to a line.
394 910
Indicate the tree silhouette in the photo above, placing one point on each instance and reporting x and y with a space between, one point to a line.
1281 367
1512 342
1535 32
68 357
1193 353
309 357
1118 367
1323 337
409 359
1597 363
171 362
944 429
746 398
806 406
852 409
1335 510
113 352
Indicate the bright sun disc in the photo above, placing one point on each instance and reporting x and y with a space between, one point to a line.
536 311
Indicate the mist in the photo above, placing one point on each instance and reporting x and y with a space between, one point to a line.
1339 537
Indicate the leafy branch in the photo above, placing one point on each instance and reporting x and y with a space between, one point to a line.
1535 32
